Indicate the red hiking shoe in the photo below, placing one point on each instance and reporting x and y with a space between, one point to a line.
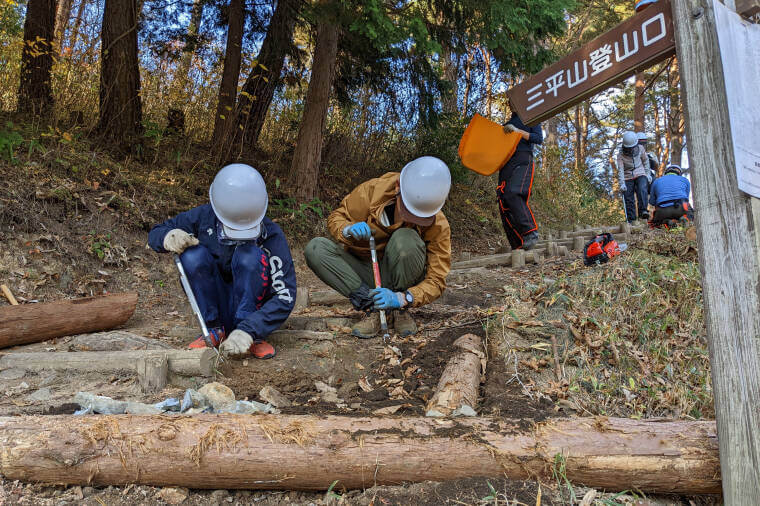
263 350
216 335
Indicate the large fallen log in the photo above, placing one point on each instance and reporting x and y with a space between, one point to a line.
31 323
457 390
311 452
183 362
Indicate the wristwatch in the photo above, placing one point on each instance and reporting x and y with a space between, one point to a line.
408 297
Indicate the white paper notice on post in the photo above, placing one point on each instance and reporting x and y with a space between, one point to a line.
740 52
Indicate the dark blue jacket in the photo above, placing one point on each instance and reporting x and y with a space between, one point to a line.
203 224
669 188
536 135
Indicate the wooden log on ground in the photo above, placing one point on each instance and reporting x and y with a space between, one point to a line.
32 323
183 362
518 258
578 243
325 298
311 452
152 372
457 389
484 261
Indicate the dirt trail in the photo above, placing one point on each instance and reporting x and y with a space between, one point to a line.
507 307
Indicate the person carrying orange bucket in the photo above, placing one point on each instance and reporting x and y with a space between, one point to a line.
516 183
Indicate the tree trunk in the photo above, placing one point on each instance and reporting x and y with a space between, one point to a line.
32 323
225 108
676 120
467 82
449 97
728 241
311 452
638 103
304 171
74 38
61 22
489 82
179 93
460 380
34 94
257 93
120 106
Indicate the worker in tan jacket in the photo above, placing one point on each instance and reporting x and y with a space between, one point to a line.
413 241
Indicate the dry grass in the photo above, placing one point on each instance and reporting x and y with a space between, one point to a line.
631 334
217 436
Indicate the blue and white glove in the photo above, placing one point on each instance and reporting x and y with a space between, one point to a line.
359 230
386 299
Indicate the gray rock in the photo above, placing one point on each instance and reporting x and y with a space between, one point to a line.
173 495
464 410
219 495
247 408
218 395
41 395
12 374
88 491
274 397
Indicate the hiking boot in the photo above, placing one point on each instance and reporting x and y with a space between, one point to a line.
530 240
644 216
404 323
263 350
216 335
368 327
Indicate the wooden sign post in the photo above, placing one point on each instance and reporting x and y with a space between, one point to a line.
728 226
727 219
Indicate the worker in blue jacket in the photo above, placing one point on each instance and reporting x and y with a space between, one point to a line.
237 260
516 183
670 196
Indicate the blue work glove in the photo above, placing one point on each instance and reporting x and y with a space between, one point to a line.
359 230
385 299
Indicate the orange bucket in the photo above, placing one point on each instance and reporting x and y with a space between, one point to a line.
485 147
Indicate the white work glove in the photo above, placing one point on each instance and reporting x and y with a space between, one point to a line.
238 343
509 128
177 241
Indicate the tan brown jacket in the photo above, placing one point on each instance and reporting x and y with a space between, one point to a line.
367 203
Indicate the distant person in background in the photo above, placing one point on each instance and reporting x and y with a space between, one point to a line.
633 167
670 196
515 184
654 163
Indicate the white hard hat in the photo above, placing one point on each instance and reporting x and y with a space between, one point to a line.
425 184
239 198
642 136
630 139
673 169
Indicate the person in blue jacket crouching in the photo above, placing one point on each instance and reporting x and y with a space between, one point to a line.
670 196
237 260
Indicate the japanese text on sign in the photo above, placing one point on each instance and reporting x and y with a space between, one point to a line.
636 43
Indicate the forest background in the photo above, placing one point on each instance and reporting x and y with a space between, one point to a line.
149 97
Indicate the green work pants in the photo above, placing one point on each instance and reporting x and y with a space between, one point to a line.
402 265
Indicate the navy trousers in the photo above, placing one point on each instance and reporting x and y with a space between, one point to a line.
636 195
226 296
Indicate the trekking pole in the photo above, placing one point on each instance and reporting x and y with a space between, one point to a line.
378 284
194 305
